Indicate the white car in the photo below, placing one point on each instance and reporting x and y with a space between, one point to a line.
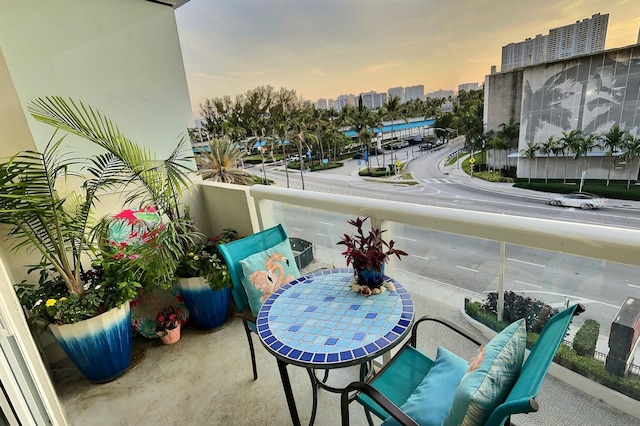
584 200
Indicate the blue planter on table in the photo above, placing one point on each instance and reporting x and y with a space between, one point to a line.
208 308
101 346
370 277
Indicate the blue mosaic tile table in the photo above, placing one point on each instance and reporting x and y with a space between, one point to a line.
317 321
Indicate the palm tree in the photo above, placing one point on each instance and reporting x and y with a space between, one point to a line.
530 153
587 145
510 132
220 163
547 148
302 137
392 111
632 146
612 140
570 141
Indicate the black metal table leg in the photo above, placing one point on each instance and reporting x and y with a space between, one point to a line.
286 384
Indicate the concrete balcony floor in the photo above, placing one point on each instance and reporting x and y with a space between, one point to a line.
205 379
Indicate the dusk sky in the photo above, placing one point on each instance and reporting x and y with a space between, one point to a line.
326 48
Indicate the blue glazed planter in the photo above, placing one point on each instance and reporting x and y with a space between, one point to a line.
370 277
101 346
207 308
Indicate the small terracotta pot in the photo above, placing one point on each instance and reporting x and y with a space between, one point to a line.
172 336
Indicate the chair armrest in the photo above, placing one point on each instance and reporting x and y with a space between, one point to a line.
461 331
376 396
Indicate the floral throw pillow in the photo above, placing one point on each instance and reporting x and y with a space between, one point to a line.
265 272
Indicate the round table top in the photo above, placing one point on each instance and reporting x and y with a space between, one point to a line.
318 321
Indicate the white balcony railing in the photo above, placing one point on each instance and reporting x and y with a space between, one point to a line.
454 253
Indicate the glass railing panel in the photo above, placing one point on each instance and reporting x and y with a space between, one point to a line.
322 228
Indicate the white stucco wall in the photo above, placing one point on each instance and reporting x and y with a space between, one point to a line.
122 57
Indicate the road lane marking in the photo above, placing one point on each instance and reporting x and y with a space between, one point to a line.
299 230
404 238
633 285
321 235
420 257
526 263
532 285
327 223
467 269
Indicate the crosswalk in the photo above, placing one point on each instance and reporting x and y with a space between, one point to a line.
438 180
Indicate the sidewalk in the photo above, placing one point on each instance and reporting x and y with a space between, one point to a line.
507 188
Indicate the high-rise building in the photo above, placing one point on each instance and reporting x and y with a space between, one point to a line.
413 92
467 87
440 94
583 37
344 100
397 92
373 99
321 104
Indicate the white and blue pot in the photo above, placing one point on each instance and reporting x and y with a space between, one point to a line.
207 308
100 346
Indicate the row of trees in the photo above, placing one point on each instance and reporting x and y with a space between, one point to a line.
577 144
268 117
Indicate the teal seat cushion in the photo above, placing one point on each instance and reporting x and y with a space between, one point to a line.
265 272
483 389
430 401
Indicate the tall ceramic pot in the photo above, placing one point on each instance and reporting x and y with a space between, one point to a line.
207 308
100 346
369 277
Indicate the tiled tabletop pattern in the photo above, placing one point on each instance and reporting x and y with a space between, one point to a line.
317 321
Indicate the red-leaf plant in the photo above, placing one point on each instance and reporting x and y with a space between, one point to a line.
368 251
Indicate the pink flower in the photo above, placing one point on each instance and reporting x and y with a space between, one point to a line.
134 256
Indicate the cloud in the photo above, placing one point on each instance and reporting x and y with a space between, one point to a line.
383 67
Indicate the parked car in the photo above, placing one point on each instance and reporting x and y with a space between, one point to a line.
584 200
293 158
426 146
357 156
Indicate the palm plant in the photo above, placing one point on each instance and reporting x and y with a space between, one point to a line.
612 140
530 153
301 136
547 148
570 141
220 162
632 146
40 220
587 145
134 170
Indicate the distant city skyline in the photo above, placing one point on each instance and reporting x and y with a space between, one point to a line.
328 48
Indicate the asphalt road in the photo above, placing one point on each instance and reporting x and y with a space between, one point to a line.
470 263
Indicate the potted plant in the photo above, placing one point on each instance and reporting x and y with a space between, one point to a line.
168 324
42 217
69 295
368 253
204 281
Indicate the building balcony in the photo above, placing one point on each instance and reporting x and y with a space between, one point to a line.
453 255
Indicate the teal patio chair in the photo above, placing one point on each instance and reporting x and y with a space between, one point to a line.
385 393
233 253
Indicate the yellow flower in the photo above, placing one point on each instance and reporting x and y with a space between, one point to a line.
50 302
62 299
190 254
195 258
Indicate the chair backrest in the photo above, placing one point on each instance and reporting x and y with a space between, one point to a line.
237 250
534 369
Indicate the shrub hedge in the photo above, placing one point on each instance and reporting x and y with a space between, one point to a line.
584 342
566 356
